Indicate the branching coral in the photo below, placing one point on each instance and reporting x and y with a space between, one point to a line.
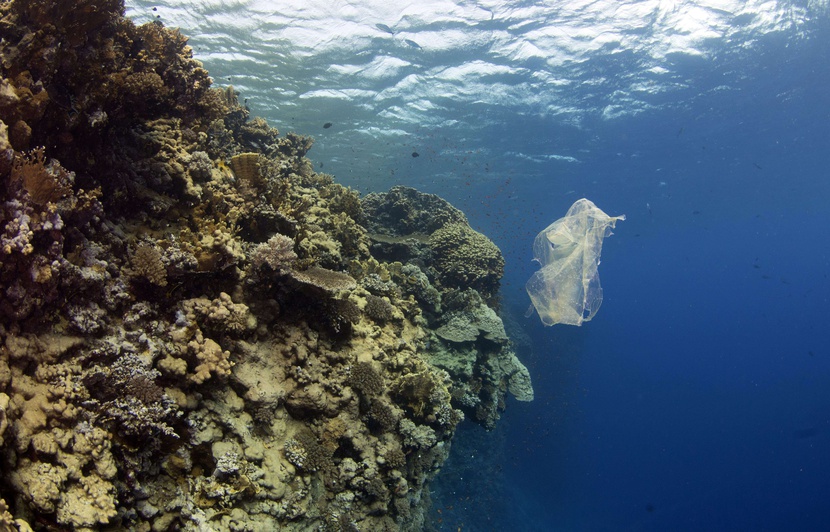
277 253
379 309
127 395
305 452
44 184
364 379
147 264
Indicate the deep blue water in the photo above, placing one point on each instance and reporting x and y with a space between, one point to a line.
698 398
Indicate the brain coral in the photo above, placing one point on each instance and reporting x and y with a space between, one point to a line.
466 258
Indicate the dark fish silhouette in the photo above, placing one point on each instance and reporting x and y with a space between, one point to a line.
416 154
327 125
384 27
412 44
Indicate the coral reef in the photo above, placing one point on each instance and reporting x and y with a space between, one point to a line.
199 332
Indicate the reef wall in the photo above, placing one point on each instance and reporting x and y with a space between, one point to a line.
199 332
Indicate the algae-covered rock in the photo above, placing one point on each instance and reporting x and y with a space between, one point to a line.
470 324
405 211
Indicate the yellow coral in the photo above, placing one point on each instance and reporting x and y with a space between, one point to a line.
4 420
213 360
245 167
87 503
30 172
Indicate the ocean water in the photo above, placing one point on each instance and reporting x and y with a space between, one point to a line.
699 396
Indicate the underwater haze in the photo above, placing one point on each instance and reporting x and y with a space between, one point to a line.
698 398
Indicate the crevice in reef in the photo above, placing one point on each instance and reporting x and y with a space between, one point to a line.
198 331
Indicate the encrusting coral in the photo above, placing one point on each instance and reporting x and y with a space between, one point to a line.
198 331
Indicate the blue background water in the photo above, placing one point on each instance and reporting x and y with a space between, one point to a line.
699 396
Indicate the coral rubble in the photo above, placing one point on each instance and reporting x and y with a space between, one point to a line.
199 332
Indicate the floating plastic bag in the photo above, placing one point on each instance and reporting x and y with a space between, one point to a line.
566 289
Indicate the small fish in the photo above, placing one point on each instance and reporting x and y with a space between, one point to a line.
384 27
327 125
758 166
415 154
412 44
695 212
